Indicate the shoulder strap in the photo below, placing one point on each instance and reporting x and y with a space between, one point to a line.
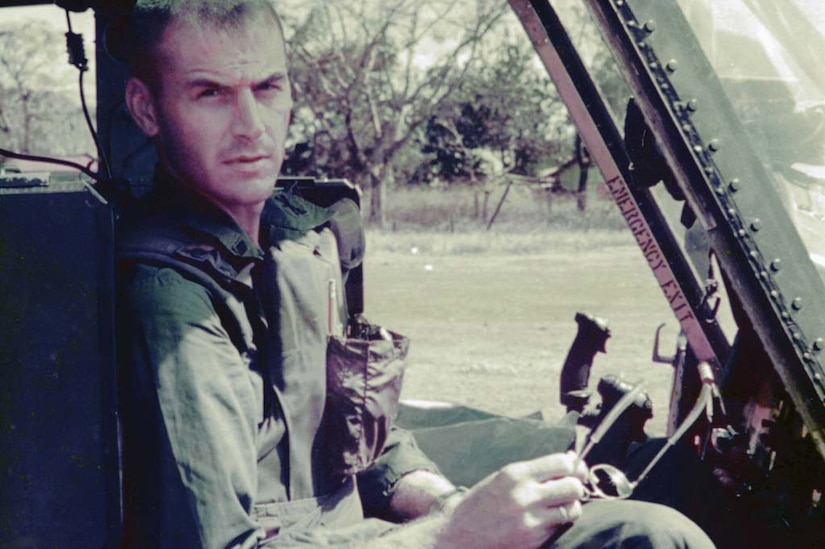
201 263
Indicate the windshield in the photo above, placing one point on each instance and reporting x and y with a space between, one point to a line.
768 56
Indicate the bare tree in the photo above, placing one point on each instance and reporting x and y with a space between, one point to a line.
368 75
38 113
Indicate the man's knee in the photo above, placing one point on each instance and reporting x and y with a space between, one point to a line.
657 526
632 524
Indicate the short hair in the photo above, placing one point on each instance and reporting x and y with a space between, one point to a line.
149 19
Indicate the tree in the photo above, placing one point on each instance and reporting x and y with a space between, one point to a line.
37 111
505 106
368 75
508 106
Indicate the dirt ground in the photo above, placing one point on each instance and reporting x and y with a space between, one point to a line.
492 330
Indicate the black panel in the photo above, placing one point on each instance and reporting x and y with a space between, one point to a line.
58 429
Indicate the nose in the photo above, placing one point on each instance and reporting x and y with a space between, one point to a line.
247 122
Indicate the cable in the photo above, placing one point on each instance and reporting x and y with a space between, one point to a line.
49 160
77 57
103 160
74 47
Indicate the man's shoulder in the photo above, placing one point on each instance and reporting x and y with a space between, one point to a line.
149 223
154 233
160 304
156 237
148 241
165 266
159 286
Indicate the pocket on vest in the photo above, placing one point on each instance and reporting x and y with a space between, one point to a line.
364 379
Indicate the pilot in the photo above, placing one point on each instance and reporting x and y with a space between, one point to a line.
222 348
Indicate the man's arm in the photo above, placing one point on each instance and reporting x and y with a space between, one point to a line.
202 407
402 481
519 507
416 493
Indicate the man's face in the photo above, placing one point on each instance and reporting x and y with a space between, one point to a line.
222 105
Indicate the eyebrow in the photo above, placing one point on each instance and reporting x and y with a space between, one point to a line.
274 78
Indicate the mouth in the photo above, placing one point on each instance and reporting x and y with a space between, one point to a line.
251 165
248 160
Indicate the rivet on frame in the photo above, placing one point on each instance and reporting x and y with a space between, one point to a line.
672 65
714 145
796 303
650 25
693 105
756 224
776 265
819 344
734 185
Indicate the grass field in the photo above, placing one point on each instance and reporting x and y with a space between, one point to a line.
490 315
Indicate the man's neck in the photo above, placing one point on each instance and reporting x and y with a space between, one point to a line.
248 218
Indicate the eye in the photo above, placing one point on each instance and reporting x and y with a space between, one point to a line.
266 86
208 92
269 86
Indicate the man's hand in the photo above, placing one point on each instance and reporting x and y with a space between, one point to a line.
520 506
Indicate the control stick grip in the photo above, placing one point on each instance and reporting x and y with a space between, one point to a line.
590 339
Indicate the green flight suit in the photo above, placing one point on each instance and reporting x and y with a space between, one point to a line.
223 386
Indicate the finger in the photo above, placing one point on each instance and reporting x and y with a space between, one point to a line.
560 491
570 512
538 525
562 514
580 469
547 467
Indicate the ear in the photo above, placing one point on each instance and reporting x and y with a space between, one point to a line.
141 104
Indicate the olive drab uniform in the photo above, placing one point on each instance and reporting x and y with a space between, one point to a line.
222 345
